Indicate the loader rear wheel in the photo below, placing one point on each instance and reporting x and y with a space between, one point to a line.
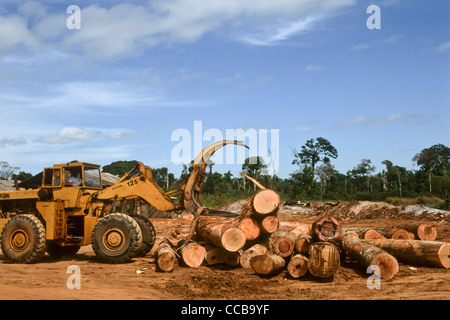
116 238
23 239
148 235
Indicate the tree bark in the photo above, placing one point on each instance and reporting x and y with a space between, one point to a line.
302 244
324 259
417 252
267 264
166 257
297 266
325 229
369 255
247 255
221 234
250 227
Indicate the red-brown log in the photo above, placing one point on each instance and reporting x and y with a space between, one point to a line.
213 254
369 255
165 256
221 234
303 243
297 266
267 264
325 229
266 202
421 230
255 250
269 224
324 259
250 227
417 252
192 254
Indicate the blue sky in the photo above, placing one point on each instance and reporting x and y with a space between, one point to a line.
136 71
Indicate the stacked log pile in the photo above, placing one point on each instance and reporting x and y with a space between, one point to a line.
256 240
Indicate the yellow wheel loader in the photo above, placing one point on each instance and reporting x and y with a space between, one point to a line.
70 209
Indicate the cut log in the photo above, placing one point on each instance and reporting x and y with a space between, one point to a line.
266 202
269 224
326 229
214 255
267 264
165 257
250 227
297 266
421 230
282 243
394 233
192 254
369 255
232 258
417 252
247 255
364 233
303 243
324 259
221 234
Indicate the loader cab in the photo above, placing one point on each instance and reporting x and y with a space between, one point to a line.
78 174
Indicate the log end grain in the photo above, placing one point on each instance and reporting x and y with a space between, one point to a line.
233 239
284 246
303 243
402 234
373 234
297 266
427 231
269 224
444 255
388 265
247 255
193 255
166 260
266 201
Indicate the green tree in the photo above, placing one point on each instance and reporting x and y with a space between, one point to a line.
119 168
362 172
254 167
427 159
315 151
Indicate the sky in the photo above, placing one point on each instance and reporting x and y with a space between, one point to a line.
156 81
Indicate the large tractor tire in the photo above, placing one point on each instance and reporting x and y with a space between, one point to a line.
23 239
116 238
148 235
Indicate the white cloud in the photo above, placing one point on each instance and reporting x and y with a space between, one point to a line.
69 135
128 29
443 47
360 46
369 120
311 67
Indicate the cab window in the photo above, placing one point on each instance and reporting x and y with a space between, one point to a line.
52 177
92 177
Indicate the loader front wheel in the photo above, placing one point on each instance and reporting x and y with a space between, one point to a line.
23 239
116 238
148 235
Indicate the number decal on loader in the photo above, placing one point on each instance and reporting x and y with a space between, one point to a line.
132 182
4 196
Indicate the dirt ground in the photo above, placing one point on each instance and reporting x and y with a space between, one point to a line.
139 279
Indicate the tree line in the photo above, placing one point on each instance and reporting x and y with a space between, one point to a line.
315 177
